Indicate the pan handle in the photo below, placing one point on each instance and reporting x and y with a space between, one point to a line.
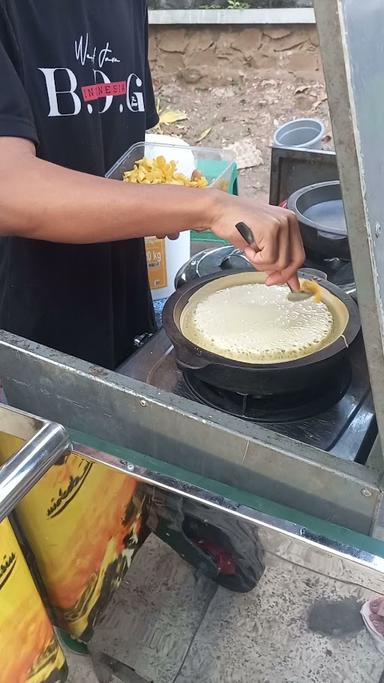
190 361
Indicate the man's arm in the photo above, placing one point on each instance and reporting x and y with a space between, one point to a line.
44 201
41 200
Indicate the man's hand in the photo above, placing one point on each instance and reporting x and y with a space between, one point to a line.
278 246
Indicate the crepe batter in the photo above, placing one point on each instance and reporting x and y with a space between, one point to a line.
254 323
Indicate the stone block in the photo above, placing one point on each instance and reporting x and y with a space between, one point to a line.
199 41
171 62
294 40
226 39
277 32
191 75
314 36
204 58
152 47
172 40
302 62
249 41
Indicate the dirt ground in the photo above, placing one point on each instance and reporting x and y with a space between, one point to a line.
245 113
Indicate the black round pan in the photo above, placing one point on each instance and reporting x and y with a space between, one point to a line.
266 379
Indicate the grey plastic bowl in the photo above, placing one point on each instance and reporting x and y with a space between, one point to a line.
304 133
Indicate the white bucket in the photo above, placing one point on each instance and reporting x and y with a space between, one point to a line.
303 133
173 254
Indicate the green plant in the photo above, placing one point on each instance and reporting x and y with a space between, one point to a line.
237 4
231 4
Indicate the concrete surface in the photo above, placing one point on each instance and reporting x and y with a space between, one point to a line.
173 627
237 86
80 669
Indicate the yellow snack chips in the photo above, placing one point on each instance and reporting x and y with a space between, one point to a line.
158 171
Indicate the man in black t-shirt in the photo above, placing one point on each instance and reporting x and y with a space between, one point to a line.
75 93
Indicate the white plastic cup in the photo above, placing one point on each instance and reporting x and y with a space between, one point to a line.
302 133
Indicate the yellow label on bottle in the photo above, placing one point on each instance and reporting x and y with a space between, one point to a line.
29 650
156 263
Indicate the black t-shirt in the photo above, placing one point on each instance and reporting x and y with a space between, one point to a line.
75 80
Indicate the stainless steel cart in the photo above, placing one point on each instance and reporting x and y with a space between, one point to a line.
316 518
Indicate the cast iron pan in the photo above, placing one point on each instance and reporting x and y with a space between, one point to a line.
267 379
320 211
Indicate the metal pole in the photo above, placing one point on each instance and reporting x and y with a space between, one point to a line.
29 464
350 33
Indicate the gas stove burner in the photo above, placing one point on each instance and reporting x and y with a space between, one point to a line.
346 428
338 271
282 409
211 261
235 260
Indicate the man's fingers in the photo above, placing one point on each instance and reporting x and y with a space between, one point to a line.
278 250
275 278
270 244
288 276
274 254
252 253
175 236
294 283
297 247
284 255
262 259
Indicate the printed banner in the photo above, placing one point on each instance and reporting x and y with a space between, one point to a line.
83 523
29 651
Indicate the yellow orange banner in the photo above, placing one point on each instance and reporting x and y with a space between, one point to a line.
83 522
29 651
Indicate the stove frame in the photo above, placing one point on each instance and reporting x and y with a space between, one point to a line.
155 364
183 433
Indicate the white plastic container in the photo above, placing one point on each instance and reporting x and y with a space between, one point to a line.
301 133
166 257
171 254
378 639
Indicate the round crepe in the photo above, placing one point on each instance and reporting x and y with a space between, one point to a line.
255 323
